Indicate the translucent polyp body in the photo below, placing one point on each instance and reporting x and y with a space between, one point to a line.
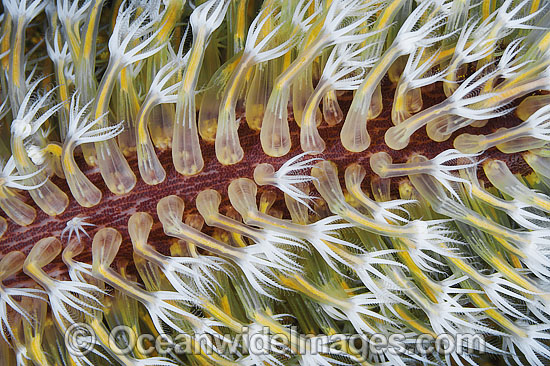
186 150
328 185
405 102
17 58
242 194
380 164
399 111
69 300
191 274
105 246
531 104
367 102
302 89
127 110
12 204
84 191
47 196
332 113
161 117
438 167
63 95
228 147
250 259
502 178
540 164
310 140
170 211
376 103
208 202
161 125
441 203
508 140
414 100
275 133
114 168
438 128
86 50
441 128
518 138
478 124
139 227
516 209
354 135
150 168
259 92
210 103
82 130
264 174
52 155
162 305
42 253
398 137
354 175
11 264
